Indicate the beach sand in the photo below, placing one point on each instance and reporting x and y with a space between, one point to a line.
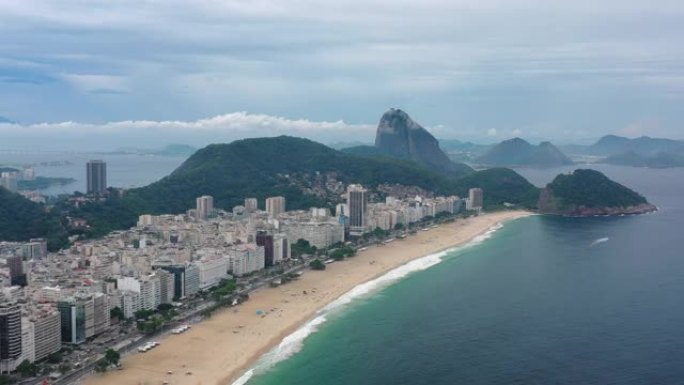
219 349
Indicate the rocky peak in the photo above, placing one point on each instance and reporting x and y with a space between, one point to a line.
400 136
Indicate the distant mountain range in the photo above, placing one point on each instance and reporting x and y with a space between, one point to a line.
638 152
518 152
5 120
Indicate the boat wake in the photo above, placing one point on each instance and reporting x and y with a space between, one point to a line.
293 343
598 241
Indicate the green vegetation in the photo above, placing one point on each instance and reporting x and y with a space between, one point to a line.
501 185
225 287
302 247
116 312
342 253
592 189
317 264
112 356
27 369
21 219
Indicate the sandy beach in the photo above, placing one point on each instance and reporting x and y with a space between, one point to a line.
221 348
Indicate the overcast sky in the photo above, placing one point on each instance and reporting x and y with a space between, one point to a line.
479 70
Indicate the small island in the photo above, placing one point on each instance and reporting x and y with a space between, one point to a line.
590 193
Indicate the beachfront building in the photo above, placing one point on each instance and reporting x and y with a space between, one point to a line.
77 319
10 336
246 259
212 270
475 199
319 234
46 331
192 279
166 286
357 203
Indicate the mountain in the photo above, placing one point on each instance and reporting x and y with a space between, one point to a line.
588 193
5 120
22 219
644 146
400 136
659 160
501 185
298 169
519 152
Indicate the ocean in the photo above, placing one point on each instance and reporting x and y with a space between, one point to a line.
540 300
123 170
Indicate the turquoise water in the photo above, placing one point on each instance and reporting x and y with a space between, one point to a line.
543 301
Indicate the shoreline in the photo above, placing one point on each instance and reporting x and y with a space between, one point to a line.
225 348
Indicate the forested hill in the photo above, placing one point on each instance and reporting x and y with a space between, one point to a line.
21 220
299 169
589 192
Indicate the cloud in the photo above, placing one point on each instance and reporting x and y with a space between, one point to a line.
492 132
203 131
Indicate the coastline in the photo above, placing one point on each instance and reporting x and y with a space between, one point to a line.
221 349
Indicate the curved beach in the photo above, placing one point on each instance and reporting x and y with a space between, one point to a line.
220 349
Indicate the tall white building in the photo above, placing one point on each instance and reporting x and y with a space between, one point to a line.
204 207
319 234
192 279
246 259
46 332
275 206
212 270
251 205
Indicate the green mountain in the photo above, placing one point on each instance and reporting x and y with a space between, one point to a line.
21 219
589 192
519 152
501 185
298 169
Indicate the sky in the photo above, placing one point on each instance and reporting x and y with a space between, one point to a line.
151 72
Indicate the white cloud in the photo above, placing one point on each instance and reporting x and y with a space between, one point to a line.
97 83
236 125
492 132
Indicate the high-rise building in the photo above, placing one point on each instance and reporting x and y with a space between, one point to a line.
77 318
46 332
35 249
475 199
357 204
96 171
167 285
251 205
15 263
10 335
275 206
100 313
266 240
281 248
205 206
192 279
